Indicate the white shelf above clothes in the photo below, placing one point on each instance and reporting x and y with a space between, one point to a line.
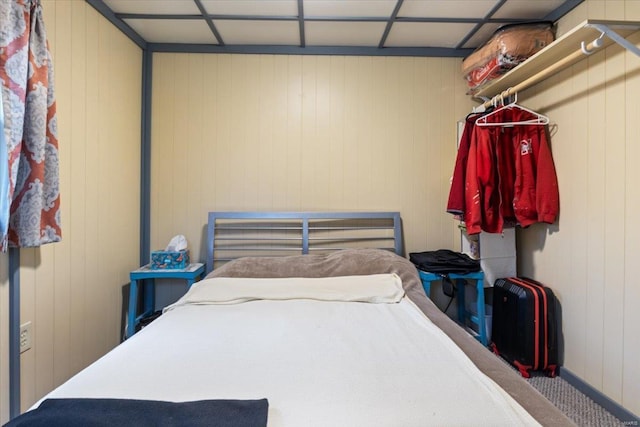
589 36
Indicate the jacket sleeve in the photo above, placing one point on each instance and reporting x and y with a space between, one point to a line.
547 195
473 197
456 202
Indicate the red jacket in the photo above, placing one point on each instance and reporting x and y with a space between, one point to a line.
482 193
509 175
536 197
456 203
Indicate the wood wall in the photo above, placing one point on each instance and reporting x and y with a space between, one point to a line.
590 257
72 291
273 132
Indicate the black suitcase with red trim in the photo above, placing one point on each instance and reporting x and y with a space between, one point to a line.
524 328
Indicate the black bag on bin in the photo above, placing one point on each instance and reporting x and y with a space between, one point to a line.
444 261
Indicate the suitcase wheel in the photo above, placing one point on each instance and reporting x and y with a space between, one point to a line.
494 348
523 369
551 371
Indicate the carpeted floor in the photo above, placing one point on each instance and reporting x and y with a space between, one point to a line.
577 406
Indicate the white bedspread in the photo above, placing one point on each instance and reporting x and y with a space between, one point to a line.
319 361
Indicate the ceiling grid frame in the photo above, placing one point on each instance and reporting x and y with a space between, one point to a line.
172 28
210 23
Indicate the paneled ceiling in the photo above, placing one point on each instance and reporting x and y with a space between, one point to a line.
367 27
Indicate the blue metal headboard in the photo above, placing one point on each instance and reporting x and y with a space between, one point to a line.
231 235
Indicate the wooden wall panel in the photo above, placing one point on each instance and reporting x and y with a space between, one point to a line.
596 222
578 204
615 226
72 291
88 205
61 337
77 153
631 284
588 257
272 132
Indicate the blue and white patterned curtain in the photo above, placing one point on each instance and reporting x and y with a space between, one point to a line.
30 196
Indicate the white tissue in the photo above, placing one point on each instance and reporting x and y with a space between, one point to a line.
177 243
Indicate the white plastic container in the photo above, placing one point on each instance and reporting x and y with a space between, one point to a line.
488 318
497 253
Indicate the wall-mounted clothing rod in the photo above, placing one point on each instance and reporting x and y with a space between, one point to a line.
585 49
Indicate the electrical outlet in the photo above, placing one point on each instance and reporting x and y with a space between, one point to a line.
25 337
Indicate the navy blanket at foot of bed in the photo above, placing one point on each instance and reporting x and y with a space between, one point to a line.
139 413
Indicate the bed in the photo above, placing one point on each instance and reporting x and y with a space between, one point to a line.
336 331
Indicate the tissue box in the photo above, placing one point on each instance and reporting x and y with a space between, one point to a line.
164 260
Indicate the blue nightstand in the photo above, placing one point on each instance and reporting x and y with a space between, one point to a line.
463 314
192 273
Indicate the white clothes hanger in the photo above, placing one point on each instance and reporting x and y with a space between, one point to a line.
539 119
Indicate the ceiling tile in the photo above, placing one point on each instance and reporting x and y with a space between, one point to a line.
446 9
173 30
251 7
164 7
348 8
344 33
482 35
421 34
527 9
249 32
